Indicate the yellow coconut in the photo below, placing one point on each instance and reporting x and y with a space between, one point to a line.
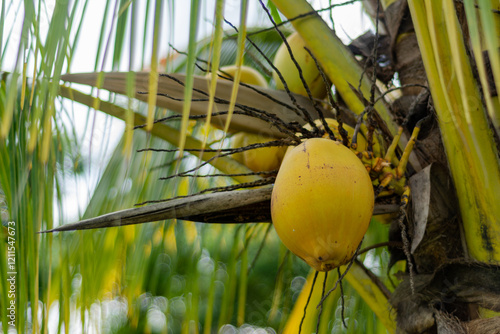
334 126
283 62
260 159
322 203
249 75
362 144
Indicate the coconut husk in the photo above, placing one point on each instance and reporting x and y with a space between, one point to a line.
444 298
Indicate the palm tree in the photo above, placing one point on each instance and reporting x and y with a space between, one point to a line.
209 260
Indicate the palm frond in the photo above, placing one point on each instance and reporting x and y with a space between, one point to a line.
265 111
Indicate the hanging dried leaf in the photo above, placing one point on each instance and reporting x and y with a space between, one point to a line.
275 108
434 233
230 207
420 185
226 206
